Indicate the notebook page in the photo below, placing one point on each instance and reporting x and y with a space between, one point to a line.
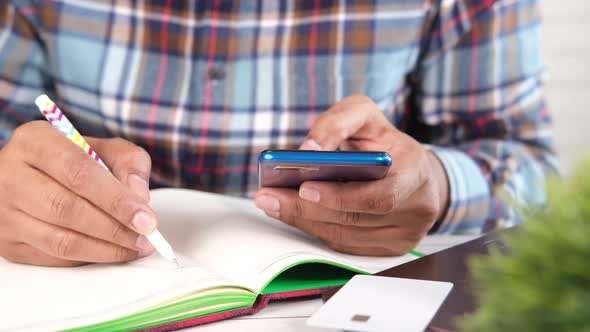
58 298
233 238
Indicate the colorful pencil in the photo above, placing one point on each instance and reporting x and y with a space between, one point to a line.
58 119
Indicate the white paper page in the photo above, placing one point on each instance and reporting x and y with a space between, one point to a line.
235 239
57 298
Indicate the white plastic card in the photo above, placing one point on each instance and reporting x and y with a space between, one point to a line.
372 303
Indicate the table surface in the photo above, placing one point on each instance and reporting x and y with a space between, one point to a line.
292 315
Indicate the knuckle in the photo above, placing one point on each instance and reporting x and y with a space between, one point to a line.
385 131
23 133
339 201
297 210
117 232
121 254
23 141
118 204
427 210
384 204
341 130
138 153
62 243
387 204
351 218
132 154
19 140
77 173
63 206
20 134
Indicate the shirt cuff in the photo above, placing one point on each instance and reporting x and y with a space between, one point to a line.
469 193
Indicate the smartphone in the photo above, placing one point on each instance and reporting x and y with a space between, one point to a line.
290 168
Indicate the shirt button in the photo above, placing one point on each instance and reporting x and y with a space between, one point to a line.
216 74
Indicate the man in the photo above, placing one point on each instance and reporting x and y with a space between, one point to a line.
203 86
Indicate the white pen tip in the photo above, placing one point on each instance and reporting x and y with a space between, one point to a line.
41 101
175 261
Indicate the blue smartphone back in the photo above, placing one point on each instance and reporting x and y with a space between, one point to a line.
289 168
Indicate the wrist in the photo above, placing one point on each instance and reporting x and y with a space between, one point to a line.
441 180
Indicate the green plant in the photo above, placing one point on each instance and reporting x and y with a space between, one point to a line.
544 284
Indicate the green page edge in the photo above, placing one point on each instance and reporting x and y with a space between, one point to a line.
278 285
153 316
339 276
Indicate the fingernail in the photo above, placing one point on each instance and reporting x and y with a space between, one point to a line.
144 246
309 194
310 144
143 223
139 186
268 203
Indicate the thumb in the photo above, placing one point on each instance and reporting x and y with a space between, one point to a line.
129 163
354 117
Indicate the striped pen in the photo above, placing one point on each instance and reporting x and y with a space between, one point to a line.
58 119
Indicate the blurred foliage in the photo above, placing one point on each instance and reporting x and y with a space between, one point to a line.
544 284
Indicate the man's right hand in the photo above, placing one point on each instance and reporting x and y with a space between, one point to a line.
59 207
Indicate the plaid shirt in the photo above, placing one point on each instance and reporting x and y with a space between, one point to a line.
204 86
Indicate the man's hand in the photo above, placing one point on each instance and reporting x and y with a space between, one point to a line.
378 218
59 207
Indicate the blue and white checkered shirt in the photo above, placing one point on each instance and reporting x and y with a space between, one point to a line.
204 86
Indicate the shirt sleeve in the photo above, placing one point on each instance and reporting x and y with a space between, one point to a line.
23 63
483 82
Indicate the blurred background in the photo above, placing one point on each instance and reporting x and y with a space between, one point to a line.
567 56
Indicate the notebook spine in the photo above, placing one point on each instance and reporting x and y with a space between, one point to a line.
260 303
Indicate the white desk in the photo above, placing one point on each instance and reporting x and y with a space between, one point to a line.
291 315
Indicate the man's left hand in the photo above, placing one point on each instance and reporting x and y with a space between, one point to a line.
378 218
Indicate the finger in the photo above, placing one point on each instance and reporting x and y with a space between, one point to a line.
286 205
129 163
355 236
66 244
373 197
22 253
43 198
71 166
356 117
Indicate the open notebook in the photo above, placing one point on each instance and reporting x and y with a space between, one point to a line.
235 260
